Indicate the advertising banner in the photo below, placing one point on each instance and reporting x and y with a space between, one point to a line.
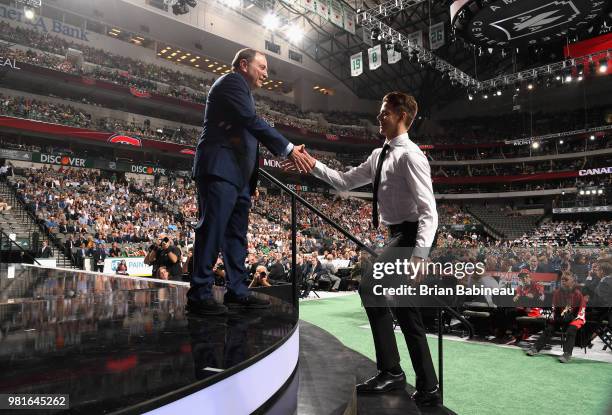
135 266
6 153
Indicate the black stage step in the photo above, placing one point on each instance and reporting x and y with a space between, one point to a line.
328 373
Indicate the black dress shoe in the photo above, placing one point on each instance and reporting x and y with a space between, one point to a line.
208 307
431 398
250 301
383 382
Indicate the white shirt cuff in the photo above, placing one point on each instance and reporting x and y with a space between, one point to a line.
288 150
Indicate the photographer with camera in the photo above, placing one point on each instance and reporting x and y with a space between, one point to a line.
164 254
260 278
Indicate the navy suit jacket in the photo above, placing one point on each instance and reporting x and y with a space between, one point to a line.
227 147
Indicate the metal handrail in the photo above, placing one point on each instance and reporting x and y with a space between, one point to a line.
4 235
322 215
26 214
294 198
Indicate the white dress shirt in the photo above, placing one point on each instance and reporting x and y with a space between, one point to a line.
405 192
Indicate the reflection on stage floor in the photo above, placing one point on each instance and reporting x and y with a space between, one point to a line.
114 342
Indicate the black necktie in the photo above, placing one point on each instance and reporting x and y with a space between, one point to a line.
379 164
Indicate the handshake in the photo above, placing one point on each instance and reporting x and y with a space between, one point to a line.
299 160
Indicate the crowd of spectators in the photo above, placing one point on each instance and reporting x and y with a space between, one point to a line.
44 111
154 78
50 51
92 211
571 144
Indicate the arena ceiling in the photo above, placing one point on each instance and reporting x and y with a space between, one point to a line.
332 47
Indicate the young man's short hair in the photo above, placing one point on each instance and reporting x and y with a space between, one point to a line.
246 53
605 264
402 102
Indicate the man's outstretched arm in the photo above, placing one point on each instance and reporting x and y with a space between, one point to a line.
355 177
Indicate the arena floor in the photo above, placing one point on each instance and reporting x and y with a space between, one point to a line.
478 374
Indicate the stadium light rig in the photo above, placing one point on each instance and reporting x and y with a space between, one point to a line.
271 21
180 6
295 33
30 8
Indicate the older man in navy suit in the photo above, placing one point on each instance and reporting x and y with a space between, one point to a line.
225 171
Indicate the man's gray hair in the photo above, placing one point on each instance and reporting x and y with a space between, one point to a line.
246 53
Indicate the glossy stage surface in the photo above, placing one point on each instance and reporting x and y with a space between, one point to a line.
120 344
328 373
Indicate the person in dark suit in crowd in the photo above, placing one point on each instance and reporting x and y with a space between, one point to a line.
276 268
115 251
99 255
69 244
252 263
225 171
403 192
62 228
80 255
45 251
330 273
311 272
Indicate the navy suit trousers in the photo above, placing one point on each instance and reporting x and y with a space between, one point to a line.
222 227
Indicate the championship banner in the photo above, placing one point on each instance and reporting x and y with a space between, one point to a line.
357 64
392 55
436 36
309 5
336 16
135 266
349 20
415 38
374 57
323 9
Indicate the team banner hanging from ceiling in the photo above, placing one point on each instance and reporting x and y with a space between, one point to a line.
436 36
374 56
416 38
310 5
332 10
393 56
323 9
349 20
357 64
336 15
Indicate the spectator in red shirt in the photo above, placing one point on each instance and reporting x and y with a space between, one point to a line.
568 313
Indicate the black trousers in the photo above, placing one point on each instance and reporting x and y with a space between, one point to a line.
570 336
409 319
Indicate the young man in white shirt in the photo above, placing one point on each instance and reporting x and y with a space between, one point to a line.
403 194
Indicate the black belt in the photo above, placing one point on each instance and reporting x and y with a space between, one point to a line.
404 228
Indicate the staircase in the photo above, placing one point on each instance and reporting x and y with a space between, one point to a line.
510 227
17 221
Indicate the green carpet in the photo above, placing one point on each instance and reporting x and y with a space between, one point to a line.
482 379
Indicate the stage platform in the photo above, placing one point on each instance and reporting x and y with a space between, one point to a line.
328 374
125 345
